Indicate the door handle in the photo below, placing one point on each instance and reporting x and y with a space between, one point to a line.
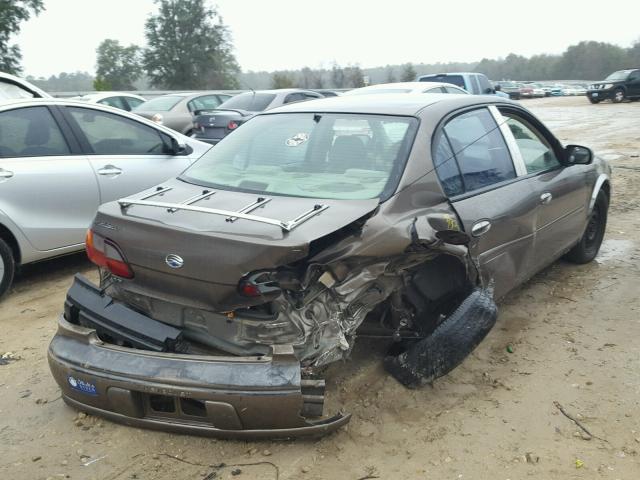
545 198
480 228
110 170
5 173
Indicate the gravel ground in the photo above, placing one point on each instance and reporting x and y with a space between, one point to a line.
573 332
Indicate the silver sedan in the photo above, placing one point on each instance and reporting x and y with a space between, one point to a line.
176 109
59 160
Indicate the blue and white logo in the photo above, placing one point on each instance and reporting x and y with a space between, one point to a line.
82 386
174 261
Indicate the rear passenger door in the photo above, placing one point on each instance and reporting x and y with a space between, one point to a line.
497 209
127 156
47 186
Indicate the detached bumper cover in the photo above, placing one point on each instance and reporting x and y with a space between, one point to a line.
230 397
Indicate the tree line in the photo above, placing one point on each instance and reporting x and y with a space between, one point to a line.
189 47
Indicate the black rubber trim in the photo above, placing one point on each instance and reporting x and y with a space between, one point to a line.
86 305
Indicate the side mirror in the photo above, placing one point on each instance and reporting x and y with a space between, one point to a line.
489 90
578 155
178 147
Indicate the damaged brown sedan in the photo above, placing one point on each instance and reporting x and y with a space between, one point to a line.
225 291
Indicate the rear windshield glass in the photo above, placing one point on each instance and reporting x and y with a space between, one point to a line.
454 79
338 156
251 102
159 104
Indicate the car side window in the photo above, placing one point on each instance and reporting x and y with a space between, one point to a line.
113 102
480 149
447 167
30 132
110 134
435 90
534 148
454 90
206 102
294 97
133 102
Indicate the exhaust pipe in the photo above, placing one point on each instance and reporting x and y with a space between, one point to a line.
449 344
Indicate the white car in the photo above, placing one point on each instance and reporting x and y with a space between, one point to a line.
408 87
123 101
61 159
14 87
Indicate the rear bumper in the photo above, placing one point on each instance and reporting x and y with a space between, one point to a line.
229 397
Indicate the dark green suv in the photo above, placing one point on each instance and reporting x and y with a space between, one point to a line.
616 87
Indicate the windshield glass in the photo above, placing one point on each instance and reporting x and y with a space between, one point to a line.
457 80
251 102
159 104
619 75
338 156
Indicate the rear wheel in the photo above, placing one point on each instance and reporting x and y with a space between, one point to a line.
588 246
7 267
618 95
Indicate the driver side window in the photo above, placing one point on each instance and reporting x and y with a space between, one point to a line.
110 134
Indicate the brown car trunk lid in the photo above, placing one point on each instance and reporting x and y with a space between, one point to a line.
197 258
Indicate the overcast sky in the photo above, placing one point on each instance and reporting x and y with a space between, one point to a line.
287 34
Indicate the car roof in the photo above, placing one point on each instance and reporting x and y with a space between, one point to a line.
443 74
391 104
100 95
192 94
8 78
281 90
414 86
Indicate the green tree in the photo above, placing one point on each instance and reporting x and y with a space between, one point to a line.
12 14
408 73
633 55
354 77
118 67
282 80
338 77
189 47
591 61
311 78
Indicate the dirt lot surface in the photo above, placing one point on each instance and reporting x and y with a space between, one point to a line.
571 335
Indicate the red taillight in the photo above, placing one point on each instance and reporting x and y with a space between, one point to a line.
232 125
249 290
105 253
258 284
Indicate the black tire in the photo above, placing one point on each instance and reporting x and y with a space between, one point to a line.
618 96
594 100
7 267
589 245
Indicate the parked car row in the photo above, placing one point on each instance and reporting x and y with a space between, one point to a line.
522 90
